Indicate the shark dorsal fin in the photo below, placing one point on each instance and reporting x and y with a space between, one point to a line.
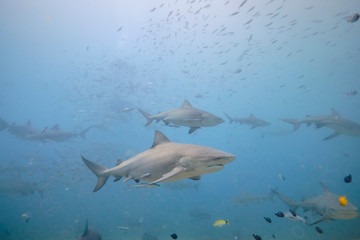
335 113
86 228
326 189
251 115
55 127
159 138
119 161
186 104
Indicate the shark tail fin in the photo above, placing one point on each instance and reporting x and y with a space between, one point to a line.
295 122
147 116
291 203
230 118
99 171
83 132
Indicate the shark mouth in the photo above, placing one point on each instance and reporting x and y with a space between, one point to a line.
216 166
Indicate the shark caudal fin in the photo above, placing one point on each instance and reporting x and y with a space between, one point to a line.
147 116
295 122
230 118
99 171
291 203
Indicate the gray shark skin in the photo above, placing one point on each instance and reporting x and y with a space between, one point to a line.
3 124
55 134
165 161
90 233
246 198
341 126
327 205
22 130
19 187
186 116
308 120
251 120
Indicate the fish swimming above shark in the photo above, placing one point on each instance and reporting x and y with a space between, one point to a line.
250 120
327 205
17 186
90 233
308 120
55 134
186 116
165 161
247 198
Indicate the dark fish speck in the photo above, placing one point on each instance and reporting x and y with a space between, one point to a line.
319 230
173 236
279 214
257 237
348 179
267 219
293 213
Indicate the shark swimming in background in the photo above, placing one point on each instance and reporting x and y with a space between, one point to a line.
247 198
17 186
334 121
186 116
327 205
308 120
55 134
3 124
90 233
165 161
250 120
22 130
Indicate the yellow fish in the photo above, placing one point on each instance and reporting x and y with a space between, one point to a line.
343 201
220 223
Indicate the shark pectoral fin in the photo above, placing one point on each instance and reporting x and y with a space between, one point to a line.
168 175
127 179
335 134
323 218
253 126
192 129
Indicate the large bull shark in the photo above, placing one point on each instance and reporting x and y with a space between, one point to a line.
90 233
308 120
22 130
165 161
250 120
55 134
327 205
186 115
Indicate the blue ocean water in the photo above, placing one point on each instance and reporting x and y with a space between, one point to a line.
80 63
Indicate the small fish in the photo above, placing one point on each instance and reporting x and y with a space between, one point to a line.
348 179
280 214
267 219
235 237
257 237
319 230
281 177
353 18
173 236
343 201
127 109
220 223
350 92
273 236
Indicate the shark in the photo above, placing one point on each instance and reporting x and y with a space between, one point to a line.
308 120
327 205
55 134
250 120
17 186
90 233
340 125
22 130
246 198
186 116
165 161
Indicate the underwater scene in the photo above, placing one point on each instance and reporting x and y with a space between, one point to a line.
180 119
